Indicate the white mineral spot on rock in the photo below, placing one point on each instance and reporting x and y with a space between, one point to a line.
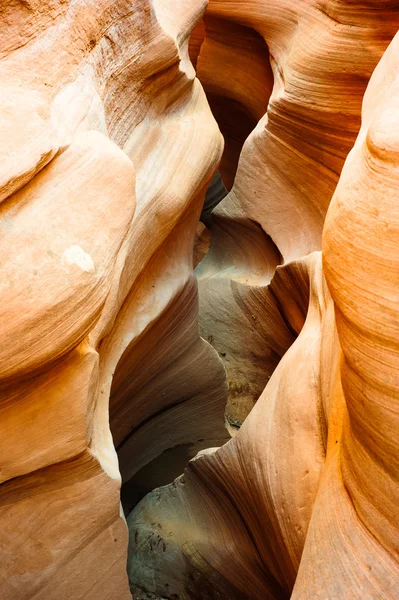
75 255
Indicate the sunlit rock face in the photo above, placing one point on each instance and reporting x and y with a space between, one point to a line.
302 85
107 148
299 296
274 173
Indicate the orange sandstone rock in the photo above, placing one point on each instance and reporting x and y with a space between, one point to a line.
107 146
302 502
113 371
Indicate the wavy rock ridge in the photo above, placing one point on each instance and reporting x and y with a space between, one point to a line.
288 507
113 371
98 296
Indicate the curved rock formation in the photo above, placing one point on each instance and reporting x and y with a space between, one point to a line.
92 286
322 55
360 486
249 493
113 371
301 503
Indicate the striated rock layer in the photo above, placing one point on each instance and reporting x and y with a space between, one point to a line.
113 371
301 503
107 147
322 55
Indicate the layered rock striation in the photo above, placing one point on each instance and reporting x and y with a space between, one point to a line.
107 148
300 503
117 359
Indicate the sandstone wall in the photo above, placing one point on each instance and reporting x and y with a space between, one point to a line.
117 359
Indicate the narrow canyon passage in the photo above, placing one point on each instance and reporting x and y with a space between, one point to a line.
262 297
169 397
199 299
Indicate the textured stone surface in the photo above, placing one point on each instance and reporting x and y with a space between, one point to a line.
107 146
322 55
117 359
302 501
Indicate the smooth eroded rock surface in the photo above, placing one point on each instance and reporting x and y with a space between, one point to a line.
199 274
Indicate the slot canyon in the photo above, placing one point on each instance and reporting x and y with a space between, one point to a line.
199 299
